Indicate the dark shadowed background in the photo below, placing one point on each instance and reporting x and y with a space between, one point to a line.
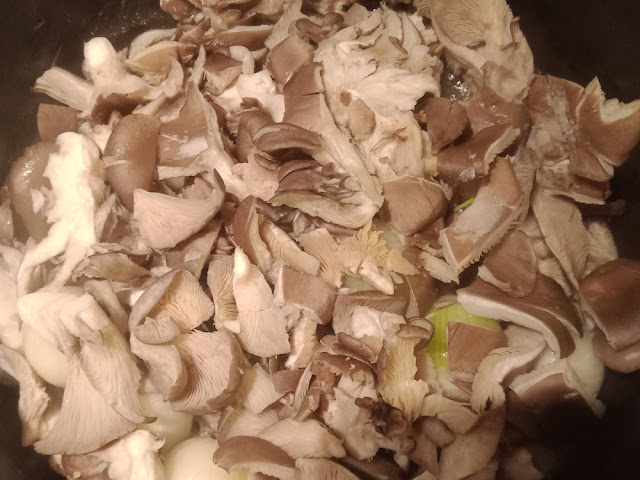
572 39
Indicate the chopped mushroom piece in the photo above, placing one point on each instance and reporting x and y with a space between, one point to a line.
512 266
445 121
611 294
427 199
480 226
546 310
307 292
256 456
131 156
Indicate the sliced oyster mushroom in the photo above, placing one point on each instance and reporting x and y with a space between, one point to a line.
480 226
257 391
471 159
256 456
25 182
610 293
307 292
546 310
164 221
131 152
177 295
262 325
287 57
427 198
85 422
625 360
54 120
512 266
445 121
303 439
472 451
213 365
219 280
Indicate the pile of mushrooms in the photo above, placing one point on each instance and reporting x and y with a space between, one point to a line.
301 239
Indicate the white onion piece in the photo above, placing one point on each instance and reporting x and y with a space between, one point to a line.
45 359
171 426
193 460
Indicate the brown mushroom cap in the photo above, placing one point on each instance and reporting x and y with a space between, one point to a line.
306 81
445 121
471 159
612 291
54 120
625 360
486 108
308 292
512 266
427 201
468 345
288 57
26 175
132 146
546 310
480 226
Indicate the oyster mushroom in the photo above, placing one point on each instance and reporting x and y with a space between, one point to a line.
323 469
625 360
472 451
262 325
54 120
512 266
26 183
486 39
309 293
287 57
428 198
257 391
219 281
131 152
85 422
471 159
74 172
214 363
486 108
308 438
445 121
552 384
546 309
480 226
564 233
610 296
256 456
177 295
468 345
164 221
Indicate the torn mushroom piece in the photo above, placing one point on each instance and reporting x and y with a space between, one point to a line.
262 325
486 108
552 384
471 159
255 455
481 225
512 266
28 186
130 156
546 309
485 39
610 294
309 293
445 121
427 199
164 221
472 451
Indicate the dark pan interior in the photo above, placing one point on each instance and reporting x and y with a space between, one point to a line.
572 39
